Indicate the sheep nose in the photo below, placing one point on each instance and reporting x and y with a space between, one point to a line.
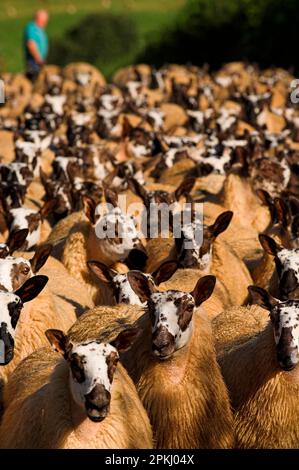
163 342
286 363
97 403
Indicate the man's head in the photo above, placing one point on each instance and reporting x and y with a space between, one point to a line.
41 18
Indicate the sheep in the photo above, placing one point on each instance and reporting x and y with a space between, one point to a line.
265 398
174 367
11 306
24 218
164 276
15 270
205 257
285 281
119 285
88 240
57 306
12 316
248 212
87 406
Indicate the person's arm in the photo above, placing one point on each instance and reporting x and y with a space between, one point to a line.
32 47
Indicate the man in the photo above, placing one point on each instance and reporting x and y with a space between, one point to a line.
36 43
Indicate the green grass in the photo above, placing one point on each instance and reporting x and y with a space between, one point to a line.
152 18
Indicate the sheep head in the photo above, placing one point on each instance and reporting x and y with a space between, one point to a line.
92 366
284 316
170 311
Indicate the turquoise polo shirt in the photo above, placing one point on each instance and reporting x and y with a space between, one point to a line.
39 36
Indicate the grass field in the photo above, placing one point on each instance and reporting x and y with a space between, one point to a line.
152 18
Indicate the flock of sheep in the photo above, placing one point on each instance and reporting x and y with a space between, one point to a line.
133 341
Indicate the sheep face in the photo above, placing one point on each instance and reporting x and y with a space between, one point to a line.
142 143
123 292
121 283
123 172
170 311
14 272
10 309
271 175
171 314
16 172
116 235
284 316
23 218
285 319
92 368
194 251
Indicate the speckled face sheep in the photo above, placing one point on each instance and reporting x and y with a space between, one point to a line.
170 311
92 366
120 285
285 320
11 305
193 251
14 271
287 266
141 142
113 236
24 218
272 175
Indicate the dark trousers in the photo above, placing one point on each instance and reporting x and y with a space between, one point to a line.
32 70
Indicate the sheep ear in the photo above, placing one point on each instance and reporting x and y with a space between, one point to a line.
283 212
221 223
111 197
102 271
31 288
138 189
203 289
40 257
185 187
261 297
269 244
17 239
165 271
265 197
141 285
58 341
137 258
125 339
89 207
48 208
